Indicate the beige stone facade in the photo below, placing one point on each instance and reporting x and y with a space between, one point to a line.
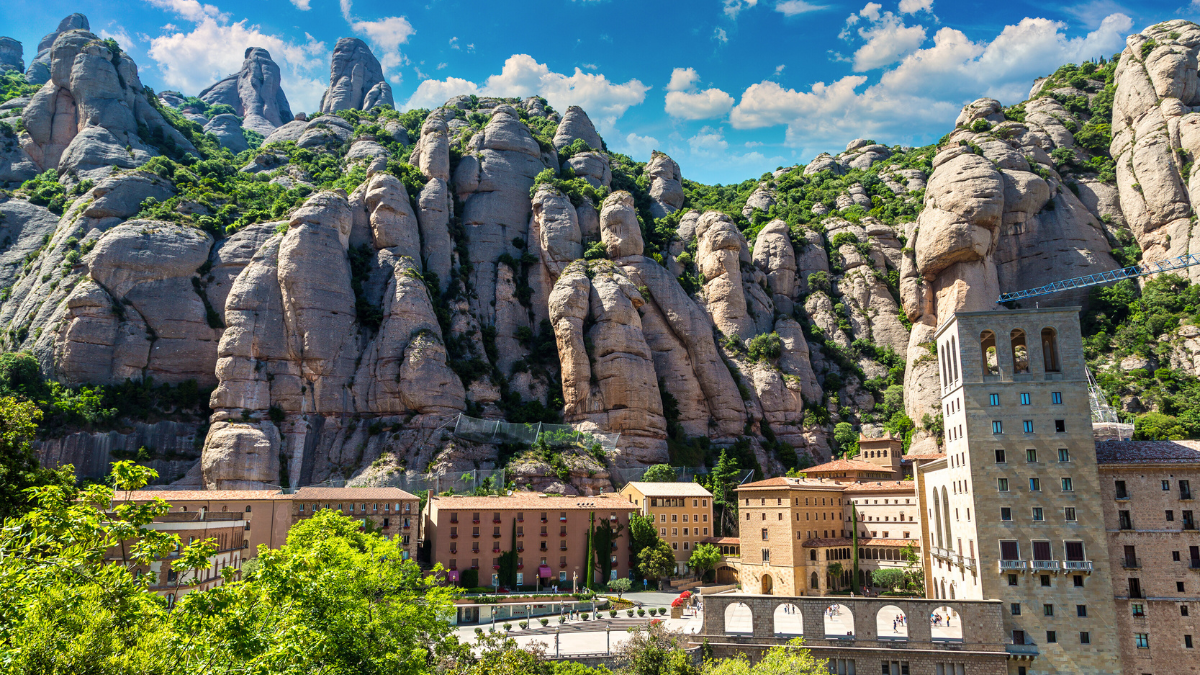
396 514
551 532
682 512
1010 508
885 509
1149 498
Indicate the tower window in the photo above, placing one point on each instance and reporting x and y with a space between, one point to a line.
1056 397
994 399
1024 399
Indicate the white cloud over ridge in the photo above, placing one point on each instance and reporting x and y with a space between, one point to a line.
192 10
795 7
191 61
385 35
684 103
887 40
604 100
928 87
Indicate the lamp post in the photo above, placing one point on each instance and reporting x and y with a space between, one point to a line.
607 644
556 630
574 579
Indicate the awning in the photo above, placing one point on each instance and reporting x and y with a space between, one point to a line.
544 571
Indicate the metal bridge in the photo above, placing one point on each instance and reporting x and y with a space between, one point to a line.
1104 277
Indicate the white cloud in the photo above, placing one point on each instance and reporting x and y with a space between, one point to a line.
191 10
192 61
522 75
454 43
887 40
1093 13
794 7
440 66
870 11
385 35
591 66
733 7
684 103
119 34
433 93
921 96
420 75
721 36
302 5
683 79
914 6
779 69
638 147
708 142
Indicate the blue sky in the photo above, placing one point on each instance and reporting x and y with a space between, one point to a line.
729 88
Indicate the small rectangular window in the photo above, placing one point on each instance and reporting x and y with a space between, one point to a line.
1028 426
1064 455
994 399
1142 640
1185 489
1081 610
997 427
1037 513
1166 485
1085 638
1056 397
1170 516
1002 484
1067 485
1047 610
1051 636
1024 399
1035 485
1060 426
1069 513
1187 641
1121 491
1000 457
1124 521
1015 608
1031 455
1005 513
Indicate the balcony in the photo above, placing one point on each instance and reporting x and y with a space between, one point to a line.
406 527
495 521
495 567
544 520
520 549
475 535
475 521
942 553
969 563
496 550
495 535
562 519
562 565
544 534
520 566
1077 565
1131 563
454 536
1044 565
474 567
454 521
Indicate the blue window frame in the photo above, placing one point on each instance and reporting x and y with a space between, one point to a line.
1028 425
997 427
994 399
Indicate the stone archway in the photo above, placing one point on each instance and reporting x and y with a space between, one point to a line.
768 584
727 575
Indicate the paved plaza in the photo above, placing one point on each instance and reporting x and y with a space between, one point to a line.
580 637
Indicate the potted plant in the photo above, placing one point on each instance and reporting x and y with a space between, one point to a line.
629 612
523 625
662 611
612 613
677 606
507 627
641 612
653 611
584 616
562 619
544 621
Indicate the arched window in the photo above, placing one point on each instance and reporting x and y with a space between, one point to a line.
812 555
987 344
954 356
1020 353
946 516
1050 350
945 365
247 508
813 582
937 517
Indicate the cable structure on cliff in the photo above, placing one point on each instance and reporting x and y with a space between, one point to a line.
1109 276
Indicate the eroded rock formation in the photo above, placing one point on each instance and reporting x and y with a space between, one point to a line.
254 92
355 79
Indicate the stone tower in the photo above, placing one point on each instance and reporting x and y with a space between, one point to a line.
1012 509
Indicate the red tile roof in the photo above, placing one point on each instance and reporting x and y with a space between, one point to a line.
847 465
1148 452
721 540
881 486
352 493
799 483
535 500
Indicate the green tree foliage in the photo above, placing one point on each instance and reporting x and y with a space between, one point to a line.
888 578
721 482
765 347
846 438
656 560
620 586
656 650
659 473
19 467
704 559
333 599
789 659
603 537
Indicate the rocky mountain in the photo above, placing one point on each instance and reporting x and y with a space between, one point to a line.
340 286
